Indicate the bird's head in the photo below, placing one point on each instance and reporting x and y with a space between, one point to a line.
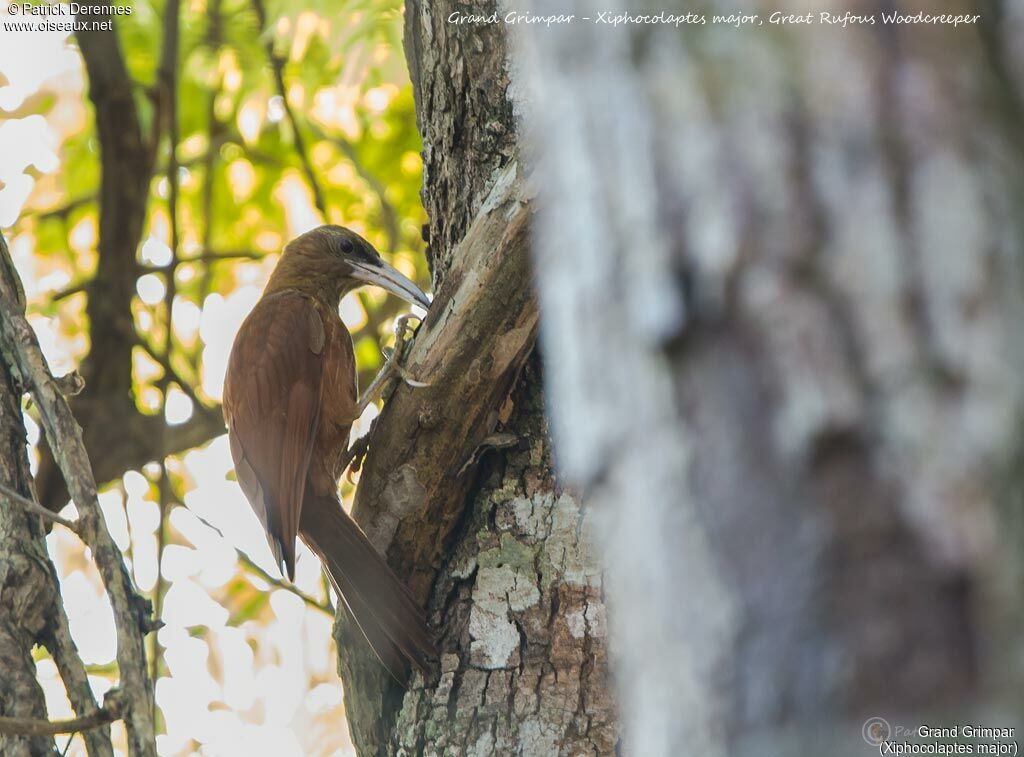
331 261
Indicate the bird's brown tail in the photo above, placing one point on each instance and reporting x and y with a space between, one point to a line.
381 605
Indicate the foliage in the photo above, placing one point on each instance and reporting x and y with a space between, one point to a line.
244 191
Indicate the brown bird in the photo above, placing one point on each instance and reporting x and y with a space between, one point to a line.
290 398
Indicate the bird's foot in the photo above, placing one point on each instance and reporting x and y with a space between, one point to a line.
393 358
356 453
392 368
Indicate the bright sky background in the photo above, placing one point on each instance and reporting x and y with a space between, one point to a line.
267 686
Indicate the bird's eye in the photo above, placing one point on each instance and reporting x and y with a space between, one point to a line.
345 245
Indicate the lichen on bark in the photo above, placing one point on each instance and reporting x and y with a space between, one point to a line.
496 548
521 602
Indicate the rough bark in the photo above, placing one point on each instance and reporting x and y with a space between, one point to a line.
460 82
525 664
26 591
31 608
781 284
24 364
458 487
481 328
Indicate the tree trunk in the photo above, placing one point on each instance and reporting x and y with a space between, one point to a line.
780 271
511 581
31 606
26 592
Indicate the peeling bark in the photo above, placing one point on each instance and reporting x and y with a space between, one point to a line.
458 487
469 350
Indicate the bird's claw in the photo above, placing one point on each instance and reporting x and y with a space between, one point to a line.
382 382
393 365
393 358
356 453
409 379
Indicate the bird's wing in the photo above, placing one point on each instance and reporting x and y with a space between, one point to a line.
272 407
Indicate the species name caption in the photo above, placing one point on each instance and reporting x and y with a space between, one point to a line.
738 20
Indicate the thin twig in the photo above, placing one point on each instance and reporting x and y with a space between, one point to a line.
277 66
170 375
168 89
30 727
61 211
113 709
207 257
63 294
75 675
389 216
324 607
214 129
34 507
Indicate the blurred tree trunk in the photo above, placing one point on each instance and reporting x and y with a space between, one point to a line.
780 275
517 592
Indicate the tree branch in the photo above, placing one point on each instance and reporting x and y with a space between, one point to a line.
475 339
170 374
22 541
36 509
28 727
207 256
75 675
414 483
168 88
61 211
277 67
125 172
20 346
214 131
124 188
133 443
389 216
29 594
113 706
243 557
